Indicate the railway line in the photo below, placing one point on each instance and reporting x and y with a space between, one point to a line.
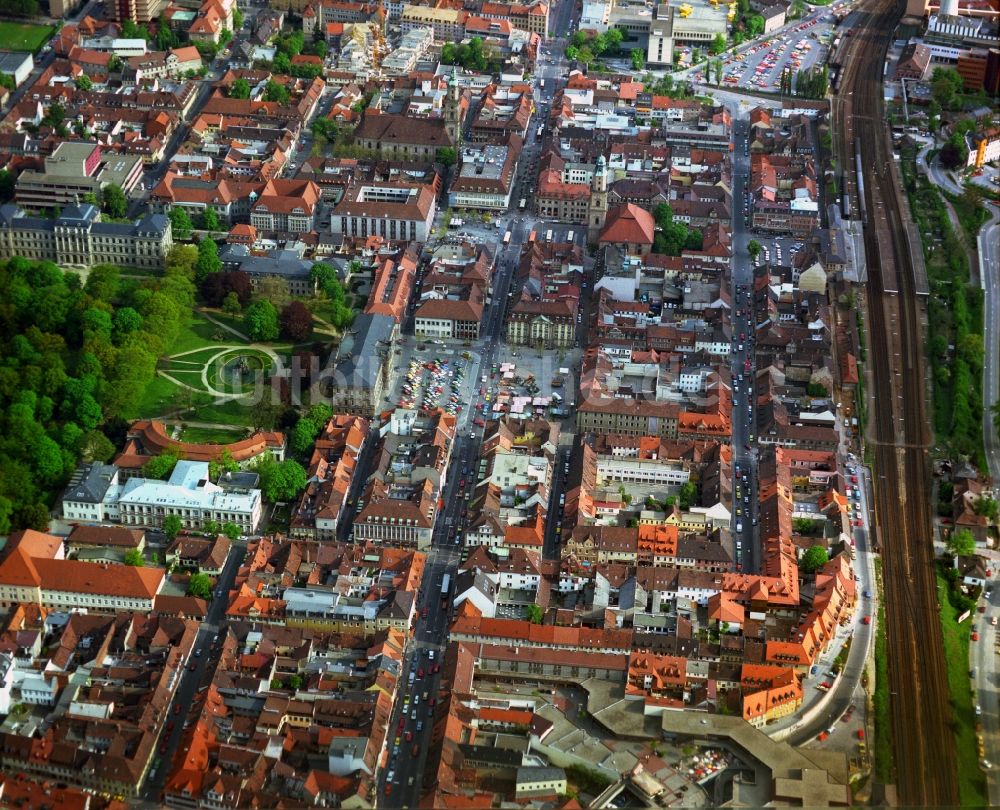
922 736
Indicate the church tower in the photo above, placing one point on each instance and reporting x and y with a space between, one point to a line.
453 111
598 208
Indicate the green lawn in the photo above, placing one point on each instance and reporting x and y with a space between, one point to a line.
201 333
24 36
211 435
971 782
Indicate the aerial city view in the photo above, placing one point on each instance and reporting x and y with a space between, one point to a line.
475 404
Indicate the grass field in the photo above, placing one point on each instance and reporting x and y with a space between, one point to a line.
24 36
971 782
211 435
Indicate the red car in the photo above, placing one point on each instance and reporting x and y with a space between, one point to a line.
424 612
420 672
402 723
433 701
409 736
416 749
975 636
388 788
170 726
177 708
868 620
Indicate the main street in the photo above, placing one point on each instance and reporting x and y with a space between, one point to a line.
402 781
742 365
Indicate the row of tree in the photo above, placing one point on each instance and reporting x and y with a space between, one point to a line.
471 55
586 46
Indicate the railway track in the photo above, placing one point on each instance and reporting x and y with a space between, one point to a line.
923 740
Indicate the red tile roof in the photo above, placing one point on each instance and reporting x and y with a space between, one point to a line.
629 224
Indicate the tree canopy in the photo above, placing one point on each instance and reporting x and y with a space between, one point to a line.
280 480
200 585
261 321
73 356
113 201
814 559
673 237
961 543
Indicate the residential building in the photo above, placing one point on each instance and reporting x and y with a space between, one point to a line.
61 584
86 494
78 238
199 554
450 318
401 499
448 24
394 280
138 11
774 17
331 470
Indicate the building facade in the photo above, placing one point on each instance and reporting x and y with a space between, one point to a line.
78 238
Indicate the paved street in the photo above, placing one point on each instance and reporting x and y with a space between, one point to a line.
742 356
401 779
204 656
984 652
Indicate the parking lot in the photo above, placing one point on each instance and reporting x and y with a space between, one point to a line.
778 251
799 48
446 383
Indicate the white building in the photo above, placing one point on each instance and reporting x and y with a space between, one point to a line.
652 472
16 64
191 496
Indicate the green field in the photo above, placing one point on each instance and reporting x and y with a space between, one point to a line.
211 435
971 781
24 36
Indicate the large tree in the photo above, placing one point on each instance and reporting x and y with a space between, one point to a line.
261 321
281 480
814 558
200 586
172 526
180 223
961 543
296 321
208 259
240 88
113 201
